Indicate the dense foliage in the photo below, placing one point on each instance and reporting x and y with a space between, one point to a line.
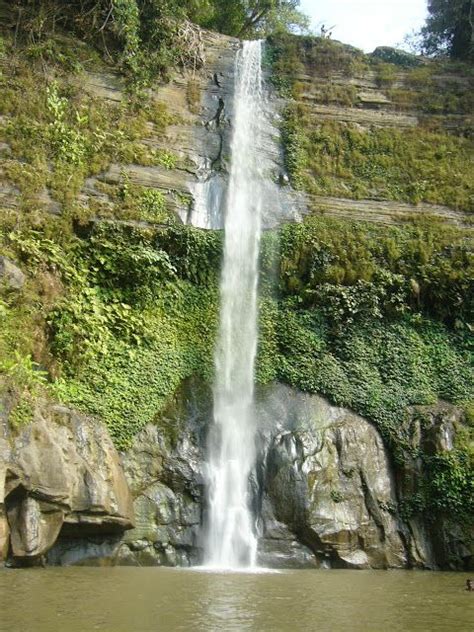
358 316
118 317
365 313
146 38
449 28
247 18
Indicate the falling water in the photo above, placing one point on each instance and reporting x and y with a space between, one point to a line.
231 538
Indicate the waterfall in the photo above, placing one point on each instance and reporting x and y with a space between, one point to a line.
231 538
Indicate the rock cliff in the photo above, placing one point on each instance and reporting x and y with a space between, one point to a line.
60 476
324 489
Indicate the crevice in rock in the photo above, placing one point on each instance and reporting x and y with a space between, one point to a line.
372 506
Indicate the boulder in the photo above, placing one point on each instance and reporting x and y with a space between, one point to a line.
164 471
446 543
61 476
323 489
328 479
10 274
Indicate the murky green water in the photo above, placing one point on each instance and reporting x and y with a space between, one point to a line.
149 599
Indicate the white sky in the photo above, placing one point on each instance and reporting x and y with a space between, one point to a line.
367 23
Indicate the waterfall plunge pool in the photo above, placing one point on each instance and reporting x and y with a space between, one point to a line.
125 599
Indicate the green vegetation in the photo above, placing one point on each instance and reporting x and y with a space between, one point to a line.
359 316
101 299
449 29
377 319
128 303
144 39
250 18
435 89
343 160
59 136
319 56
425 163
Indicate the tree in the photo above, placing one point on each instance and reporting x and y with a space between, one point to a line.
251 18
449 28
147 38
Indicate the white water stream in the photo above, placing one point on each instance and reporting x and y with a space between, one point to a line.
231 538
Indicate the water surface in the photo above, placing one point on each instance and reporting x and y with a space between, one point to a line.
159 599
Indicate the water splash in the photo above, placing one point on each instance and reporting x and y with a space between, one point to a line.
231 538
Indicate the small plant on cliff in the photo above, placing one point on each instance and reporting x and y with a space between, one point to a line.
67 143
24 372
336 495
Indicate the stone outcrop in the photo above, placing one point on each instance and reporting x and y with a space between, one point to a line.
324 489
327 482
328 479
386 211
194 187
10 274
201 136
165 474
60 475
163 468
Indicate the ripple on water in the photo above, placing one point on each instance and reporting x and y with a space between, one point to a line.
205 600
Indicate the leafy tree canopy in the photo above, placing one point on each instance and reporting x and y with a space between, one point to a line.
250 18
449 28
148 37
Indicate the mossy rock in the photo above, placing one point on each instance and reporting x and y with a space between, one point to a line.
396 56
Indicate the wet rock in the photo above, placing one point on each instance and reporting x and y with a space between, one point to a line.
90 551
285 554
10 274
324 490
165 475
279 548
445 544
61 476
328 479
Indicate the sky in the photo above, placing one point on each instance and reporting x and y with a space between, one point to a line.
367 23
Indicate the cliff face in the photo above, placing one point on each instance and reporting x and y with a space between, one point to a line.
60 476
358 128
199 105
325 490
193 151
117 300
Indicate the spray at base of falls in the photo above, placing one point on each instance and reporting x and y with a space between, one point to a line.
231 537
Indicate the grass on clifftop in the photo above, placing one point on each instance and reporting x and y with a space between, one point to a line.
425 163
343 160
